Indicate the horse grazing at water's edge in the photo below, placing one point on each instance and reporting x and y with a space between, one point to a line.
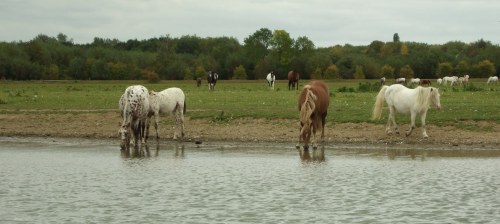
293 79
134 108
401 99
271 78
171 100
314 100
212 80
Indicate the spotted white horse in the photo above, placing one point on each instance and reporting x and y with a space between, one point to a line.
171 100
134 108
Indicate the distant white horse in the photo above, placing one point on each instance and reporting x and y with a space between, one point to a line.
451 79
440 81
270 80
171 100
406 101
492 79
464 80
134 108
415 81
401 80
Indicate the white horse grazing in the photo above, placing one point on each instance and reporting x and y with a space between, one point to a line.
440 81
171 100
270 80
406 101
451 79
492 79
463 80
401 80
134 108
415 81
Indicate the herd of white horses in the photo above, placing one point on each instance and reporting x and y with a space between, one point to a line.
138 105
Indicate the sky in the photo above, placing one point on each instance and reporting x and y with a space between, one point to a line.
325 23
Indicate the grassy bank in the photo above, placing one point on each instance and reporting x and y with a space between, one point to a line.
234 99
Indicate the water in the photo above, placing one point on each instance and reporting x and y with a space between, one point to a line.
89 181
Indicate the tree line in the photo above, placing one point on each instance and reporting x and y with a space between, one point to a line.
190 56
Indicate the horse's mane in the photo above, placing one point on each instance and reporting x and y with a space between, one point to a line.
308 106
423 100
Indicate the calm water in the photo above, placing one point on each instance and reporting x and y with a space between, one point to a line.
84 181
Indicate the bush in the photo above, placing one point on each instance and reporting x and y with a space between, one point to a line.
369 87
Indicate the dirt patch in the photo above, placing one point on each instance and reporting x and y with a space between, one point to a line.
106 124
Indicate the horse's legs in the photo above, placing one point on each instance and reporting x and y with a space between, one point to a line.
388 129
412 124
424 132
323 123
157 121
179 120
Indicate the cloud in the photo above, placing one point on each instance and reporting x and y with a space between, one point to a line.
326 23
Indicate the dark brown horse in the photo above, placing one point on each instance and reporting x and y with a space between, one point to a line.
313 106
293 79
425 82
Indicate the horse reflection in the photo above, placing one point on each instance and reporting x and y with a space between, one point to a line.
392 154
315 155
140 152
179 151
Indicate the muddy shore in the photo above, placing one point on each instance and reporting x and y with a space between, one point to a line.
106 124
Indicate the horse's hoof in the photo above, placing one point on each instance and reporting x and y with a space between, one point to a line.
306 147
297 146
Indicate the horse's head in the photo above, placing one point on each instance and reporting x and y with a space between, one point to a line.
305 132
435 98
124 137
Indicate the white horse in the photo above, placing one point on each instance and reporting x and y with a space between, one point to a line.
440 81
415 81
406 101
134 108
171 100
401 80
463 80
492 79
451 79
270 80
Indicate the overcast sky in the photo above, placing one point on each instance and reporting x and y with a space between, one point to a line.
326 23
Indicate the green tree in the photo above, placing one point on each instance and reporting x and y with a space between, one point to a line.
359 74
462 68
240 73
485 69
406 72
444 69
332 72
317 74
395 37
281 51
387 71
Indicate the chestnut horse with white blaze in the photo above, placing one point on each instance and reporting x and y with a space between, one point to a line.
314 100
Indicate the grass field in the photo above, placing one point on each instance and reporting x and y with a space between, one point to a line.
235 99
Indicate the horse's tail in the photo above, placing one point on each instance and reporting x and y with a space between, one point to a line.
308 106
379 103
184 109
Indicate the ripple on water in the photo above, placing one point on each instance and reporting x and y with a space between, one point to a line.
51 182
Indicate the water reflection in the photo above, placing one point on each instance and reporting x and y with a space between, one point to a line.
315 155
142 151
152 150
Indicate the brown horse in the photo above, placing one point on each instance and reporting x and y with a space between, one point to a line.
425 82
313 106
293 79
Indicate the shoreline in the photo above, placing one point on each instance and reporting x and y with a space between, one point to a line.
105 125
